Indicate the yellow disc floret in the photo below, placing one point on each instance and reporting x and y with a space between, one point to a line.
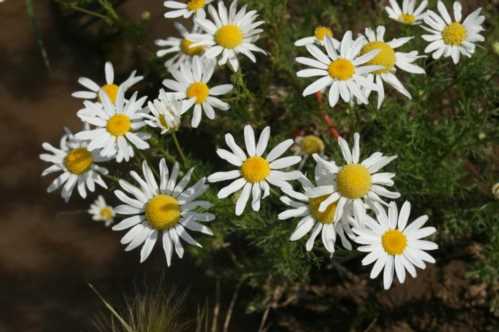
454 34
312 144
353 181
229 36
385 56
255 169
322 32
407 18
195 5
198 90
106 213
111 91
162 212
118 125
394 242
188 49
341 69
326 217
78 161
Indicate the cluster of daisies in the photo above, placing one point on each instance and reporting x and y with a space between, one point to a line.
351 200
355 67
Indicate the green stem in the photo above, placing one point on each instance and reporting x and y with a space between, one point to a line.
179 149
112 178
91 13
108 7
34 24
120 319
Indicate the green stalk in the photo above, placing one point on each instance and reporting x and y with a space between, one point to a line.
179 149
120 319
91 13
34 24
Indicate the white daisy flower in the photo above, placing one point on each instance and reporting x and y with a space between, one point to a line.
255 172
343 68
307 146
495 191
78 165
163 210
451 38
319 37
100 211
311 219
229 33
186 10
393 245
181 47
165 112
191 86
408 14
110 88
355 184
116 126
390 60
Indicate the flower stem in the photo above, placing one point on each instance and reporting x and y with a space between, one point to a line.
179 149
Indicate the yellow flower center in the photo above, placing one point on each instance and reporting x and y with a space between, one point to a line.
195 5
255 169
454 34
111 91
407 18
106 213
78 161
394 242
321 32
198 90
312 144
353 181
341 69
229 36
162 212
325 217
185 46
385 56
118 125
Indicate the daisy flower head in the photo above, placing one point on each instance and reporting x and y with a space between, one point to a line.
393 245
343 69
451 38
309 145
313 221
190 85
101 211
186 10
164 113
495 191
110 88
354 185
390 59
230 32
319 37
255 172
163 209
181 48
78 166
116 125
409 13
